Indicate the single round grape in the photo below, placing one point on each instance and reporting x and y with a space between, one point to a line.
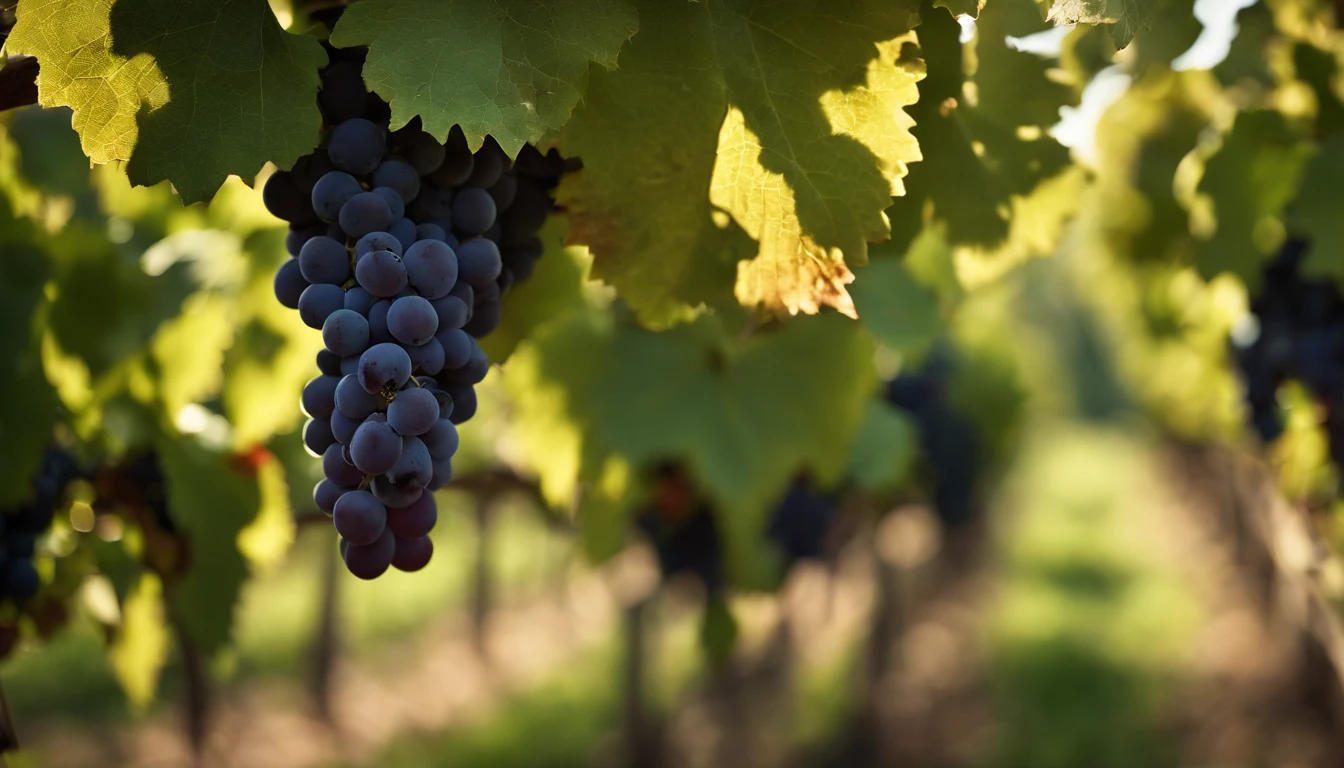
399 176
504 191
381 273
428 357
378 333
359 300
412 320
346 332
309 168
458 162
370 561
359 518
395 495
289 284
343 95
413 468
431 268
424 152
331 192
429 231
441 440
413 412
415 519
382 366
443 474
485 319
364 213
352 400
404 231
295 238
464 403
491 162
457 347
335 468
325 494
452 312
319 396
435 204
22 581
473 210
379 241
324 260
412 555
376 447
343 428
317 436
478 262
328 363
317 302
394 202
356 146
283 198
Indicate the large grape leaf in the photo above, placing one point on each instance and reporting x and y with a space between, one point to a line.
513 69
1250 180
190 92
982 132
212 500
28 409
900 313
1127 16
782 122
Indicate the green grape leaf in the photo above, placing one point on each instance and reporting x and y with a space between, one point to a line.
1250 180
140 649
189 92
1248 56
1316 214
555 288
897 310
1127 16
212 500
28 410
513 69
1320 70
680 395
883 450
727 124
980 152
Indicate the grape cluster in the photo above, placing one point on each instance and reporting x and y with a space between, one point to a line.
687 540
949 443
21 525
403 248
1301 337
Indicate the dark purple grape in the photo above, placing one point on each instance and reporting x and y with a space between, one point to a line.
457 348
378 333
319 396
383 366
430 231
317 302
395 495
343 428
412 555
441 440
337 470
478 365
343 95
412 320
376 447
479 262
352 400
329 363
431 268
285 200
357 299
428 357
473 211
359 518
404 231
323 260
325 494
399 176
490 163
424 152
485 319
464 403
394 202
364 213
346 332
356 146
289 284
381 273
371 561
504 191
379 241
317 436
458 162
452 312
443 474
413 411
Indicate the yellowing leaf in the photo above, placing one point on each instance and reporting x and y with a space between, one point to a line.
788 120
513 69
186 91
1128 16
141 646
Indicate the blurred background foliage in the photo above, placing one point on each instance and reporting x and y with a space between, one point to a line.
1110 570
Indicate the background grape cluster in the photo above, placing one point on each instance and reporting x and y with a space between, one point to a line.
403 248
21 525
1300 337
